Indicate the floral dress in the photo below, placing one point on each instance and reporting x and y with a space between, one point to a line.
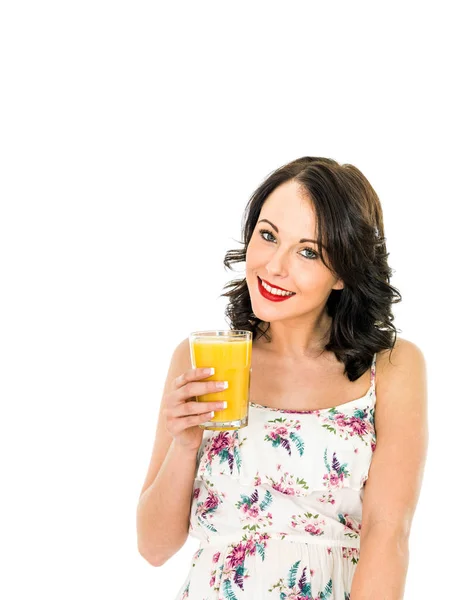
277 505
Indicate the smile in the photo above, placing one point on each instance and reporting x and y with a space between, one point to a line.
273 294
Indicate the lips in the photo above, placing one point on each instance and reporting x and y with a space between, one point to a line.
273 298
276 287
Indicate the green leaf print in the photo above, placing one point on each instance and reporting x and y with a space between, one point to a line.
229 594
260 549
330 428
298 442
275 442
237 458
239 576
245 500
327 464
207 525
268 498
293 574
326 594
360 413
223 454
302 483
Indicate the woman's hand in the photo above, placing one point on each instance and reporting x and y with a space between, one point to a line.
183 413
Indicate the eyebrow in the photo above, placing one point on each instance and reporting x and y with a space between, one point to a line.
276 229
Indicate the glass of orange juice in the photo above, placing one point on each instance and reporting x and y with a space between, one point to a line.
230 353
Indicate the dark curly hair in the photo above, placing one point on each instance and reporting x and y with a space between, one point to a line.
350 229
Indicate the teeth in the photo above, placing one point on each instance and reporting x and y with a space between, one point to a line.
274 291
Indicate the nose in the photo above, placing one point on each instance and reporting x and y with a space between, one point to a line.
275 267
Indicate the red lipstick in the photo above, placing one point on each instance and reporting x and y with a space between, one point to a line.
274 298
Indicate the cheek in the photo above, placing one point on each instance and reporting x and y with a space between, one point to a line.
252 255
310 281
257 254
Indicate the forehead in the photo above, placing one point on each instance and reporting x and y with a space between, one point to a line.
291 210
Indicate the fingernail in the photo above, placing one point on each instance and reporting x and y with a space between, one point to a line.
209 371
222 385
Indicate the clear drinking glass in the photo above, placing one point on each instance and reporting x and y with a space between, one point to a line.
230 353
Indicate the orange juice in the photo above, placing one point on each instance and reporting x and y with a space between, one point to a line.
229 352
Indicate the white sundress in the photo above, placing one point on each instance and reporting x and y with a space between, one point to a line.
277 505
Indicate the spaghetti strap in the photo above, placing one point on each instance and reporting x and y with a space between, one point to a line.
372 370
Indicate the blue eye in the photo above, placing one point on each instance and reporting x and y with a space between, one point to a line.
314 254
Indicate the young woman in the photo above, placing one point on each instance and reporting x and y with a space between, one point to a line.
314 499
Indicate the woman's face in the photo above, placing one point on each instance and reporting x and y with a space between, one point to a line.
281 259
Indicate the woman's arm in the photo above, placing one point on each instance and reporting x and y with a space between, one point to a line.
162 518
164 507
383 565
395 477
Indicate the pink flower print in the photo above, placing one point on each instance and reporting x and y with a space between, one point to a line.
212 581
257 480
341 420
278 467
336 478
312 523
251 546
211 502
251 510
350 522
313 530
196 492
281 431
237 556
216 557
289 490
289 485
219 443
357 426
336 472
352 553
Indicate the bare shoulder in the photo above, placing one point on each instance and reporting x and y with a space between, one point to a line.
396 363
183 353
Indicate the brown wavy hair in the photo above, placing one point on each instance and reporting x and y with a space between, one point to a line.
350 229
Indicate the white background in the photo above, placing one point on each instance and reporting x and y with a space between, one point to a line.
132 136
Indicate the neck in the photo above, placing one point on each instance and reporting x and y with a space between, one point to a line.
294 343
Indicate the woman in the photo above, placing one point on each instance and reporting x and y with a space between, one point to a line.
315 497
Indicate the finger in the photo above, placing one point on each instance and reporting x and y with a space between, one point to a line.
192 407
191 375
196 388
178 425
